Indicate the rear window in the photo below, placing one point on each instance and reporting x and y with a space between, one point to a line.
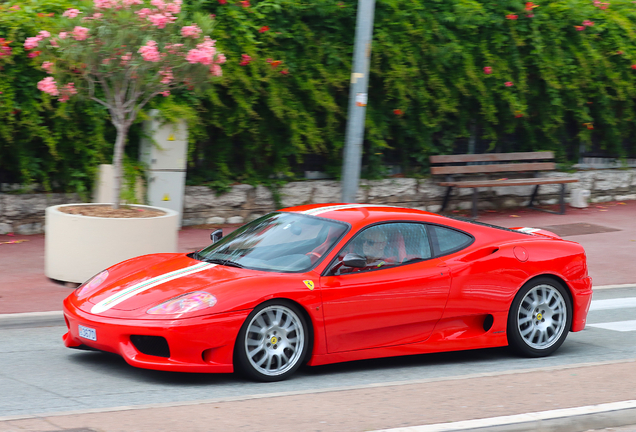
449 240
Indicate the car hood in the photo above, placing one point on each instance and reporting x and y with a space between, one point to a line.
146 281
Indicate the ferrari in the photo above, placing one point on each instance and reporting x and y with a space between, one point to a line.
320 284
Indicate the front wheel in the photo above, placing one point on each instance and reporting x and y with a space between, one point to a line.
540 318
273 342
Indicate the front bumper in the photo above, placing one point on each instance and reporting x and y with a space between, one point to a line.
581 290
200 344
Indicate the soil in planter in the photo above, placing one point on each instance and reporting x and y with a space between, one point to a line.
109 212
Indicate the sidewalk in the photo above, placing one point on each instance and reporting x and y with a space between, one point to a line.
607 232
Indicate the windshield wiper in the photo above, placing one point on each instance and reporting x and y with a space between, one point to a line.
223 262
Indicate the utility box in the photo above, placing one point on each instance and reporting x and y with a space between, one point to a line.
164 150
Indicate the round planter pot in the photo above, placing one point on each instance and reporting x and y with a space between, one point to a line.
77 247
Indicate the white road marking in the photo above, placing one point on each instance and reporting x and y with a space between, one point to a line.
618 303
533 421
620 326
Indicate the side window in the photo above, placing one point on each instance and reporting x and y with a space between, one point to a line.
386 245
449 240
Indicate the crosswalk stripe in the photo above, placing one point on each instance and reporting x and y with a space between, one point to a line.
620 326
618 303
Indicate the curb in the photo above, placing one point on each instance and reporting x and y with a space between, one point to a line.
31 319
53 318
578 419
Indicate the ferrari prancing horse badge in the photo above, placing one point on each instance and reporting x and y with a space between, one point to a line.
310 284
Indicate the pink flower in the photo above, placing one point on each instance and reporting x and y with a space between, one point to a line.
62 35
48 85
105 4
192 31
143 13
15 7
149 52
71 13
216 70
512 16
67 91
35 54
204 52
165 93
263 29
54 42
245 60
508 84
128 3
245 3
588 23
47 65
223 2
173 48
167 76
80 33
487 70
579 28
159 4
31 42
43 34
220 58
159 20
634 66
174 7
126 58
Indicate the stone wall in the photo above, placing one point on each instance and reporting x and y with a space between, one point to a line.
24 213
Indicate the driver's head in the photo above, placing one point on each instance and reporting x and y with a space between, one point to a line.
374 242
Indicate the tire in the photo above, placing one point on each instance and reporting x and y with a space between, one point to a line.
540 318
273 342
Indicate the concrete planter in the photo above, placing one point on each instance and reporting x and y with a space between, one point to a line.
77 247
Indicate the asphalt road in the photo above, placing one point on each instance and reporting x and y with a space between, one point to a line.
38 375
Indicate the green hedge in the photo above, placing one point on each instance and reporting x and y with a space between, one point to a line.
571 89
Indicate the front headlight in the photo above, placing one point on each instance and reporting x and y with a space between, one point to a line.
190 302
88 287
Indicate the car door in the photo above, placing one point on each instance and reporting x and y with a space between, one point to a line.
396 299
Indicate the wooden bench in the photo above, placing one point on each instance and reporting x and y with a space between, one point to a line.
484 165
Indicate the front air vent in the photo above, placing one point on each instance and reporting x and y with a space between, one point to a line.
151 345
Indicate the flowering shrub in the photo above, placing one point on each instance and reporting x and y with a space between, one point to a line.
121 54
444 65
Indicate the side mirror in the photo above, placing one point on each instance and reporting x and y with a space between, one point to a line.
216 235
354 260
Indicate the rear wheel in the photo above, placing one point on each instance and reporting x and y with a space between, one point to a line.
273 342
540 318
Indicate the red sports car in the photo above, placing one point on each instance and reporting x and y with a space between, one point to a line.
321 284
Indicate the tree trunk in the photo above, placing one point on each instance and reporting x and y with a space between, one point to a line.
122 132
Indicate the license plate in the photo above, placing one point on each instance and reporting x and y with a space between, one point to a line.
87 333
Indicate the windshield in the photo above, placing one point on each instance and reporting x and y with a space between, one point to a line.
285 242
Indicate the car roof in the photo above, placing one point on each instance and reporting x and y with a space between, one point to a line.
366 213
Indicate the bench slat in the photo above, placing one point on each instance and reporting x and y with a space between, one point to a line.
492 168
491 157
510 182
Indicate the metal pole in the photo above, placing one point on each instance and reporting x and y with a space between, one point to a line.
357 101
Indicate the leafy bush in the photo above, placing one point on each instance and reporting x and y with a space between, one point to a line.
515 77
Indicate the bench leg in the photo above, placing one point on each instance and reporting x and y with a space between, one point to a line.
446 198
475 196
533 196
562 199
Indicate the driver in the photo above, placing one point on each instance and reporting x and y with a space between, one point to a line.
374 245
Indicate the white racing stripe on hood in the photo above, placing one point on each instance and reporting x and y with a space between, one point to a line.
119 297
321 210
